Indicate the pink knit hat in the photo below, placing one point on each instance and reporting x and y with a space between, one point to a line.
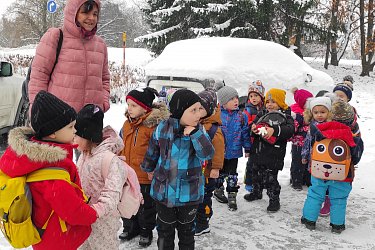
300 96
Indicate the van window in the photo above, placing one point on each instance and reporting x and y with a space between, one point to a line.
191 85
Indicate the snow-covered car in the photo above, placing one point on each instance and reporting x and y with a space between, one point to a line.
12 105
237 62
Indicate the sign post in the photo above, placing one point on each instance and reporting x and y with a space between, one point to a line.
124 46
51 8
123 61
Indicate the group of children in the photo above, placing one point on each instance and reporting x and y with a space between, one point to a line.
182 155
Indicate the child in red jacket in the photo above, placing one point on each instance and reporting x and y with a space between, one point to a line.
53 200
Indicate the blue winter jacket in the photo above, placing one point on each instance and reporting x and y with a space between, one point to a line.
176 161
236 133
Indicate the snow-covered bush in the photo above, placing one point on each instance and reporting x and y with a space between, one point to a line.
122 79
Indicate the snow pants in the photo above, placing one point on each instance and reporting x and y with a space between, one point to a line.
229 172
299 173
249 172
338 194
205 212
263 177
171 218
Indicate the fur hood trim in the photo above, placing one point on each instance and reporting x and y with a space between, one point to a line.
20 142
159 113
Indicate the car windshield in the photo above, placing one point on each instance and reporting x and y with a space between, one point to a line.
159 84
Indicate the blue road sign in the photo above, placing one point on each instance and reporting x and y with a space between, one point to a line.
51 6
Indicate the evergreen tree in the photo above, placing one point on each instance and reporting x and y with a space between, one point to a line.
176 20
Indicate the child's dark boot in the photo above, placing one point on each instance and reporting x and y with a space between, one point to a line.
254 195
232 201
220 196
337 229
145 238
308 224
273 206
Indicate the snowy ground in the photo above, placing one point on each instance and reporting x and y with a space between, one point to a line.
251 227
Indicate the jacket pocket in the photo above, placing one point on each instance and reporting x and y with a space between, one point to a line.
191 186
159 186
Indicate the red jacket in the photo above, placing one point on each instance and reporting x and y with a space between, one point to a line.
24 156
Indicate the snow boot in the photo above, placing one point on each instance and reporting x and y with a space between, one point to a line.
220 196
337 229
131 229
297 187
232 202
325 210
253 196
308 224
273 206
201 229
145 238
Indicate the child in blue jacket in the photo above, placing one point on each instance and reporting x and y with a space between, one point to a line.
237 136
175 156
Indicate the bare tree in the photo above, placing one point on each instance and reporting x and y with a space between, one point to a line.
367 38
26 21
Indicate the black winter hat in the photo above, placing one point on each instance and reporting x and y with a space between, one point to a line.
50 114
143 97
181 100
321 93
208 100
344 88
89 124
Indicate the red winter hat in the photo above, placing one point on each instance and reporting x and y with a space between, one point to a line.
300 96
337 130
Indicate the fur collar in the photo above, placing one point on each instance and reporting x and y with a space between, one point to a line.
158 113
20 142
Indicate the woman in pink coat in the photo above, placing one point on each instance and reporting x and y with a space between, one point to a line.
81 75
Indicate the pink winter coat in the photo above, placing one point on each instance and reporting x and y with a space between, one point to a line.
81 75
104 194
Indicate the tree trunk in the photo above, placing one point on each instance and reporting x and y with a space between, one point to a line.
326 63
370 35
334 28
363 38
367 40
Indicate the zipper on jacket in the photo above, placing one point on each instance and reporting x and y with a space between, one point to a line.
86 69
135 136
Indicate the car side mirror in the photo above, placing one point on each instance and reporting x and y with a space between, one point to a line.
6 69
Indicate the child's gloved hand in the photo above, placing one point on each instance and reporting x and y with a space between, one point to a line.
269 133
266 132
214 173
304 161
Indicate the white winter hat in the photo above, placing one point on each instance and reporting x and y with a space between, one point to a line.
320 101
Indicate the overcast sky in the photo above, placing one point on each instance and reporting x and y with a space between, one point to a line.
4 5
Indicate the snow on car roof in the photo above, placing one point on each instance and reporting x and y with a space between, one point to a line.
238 61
